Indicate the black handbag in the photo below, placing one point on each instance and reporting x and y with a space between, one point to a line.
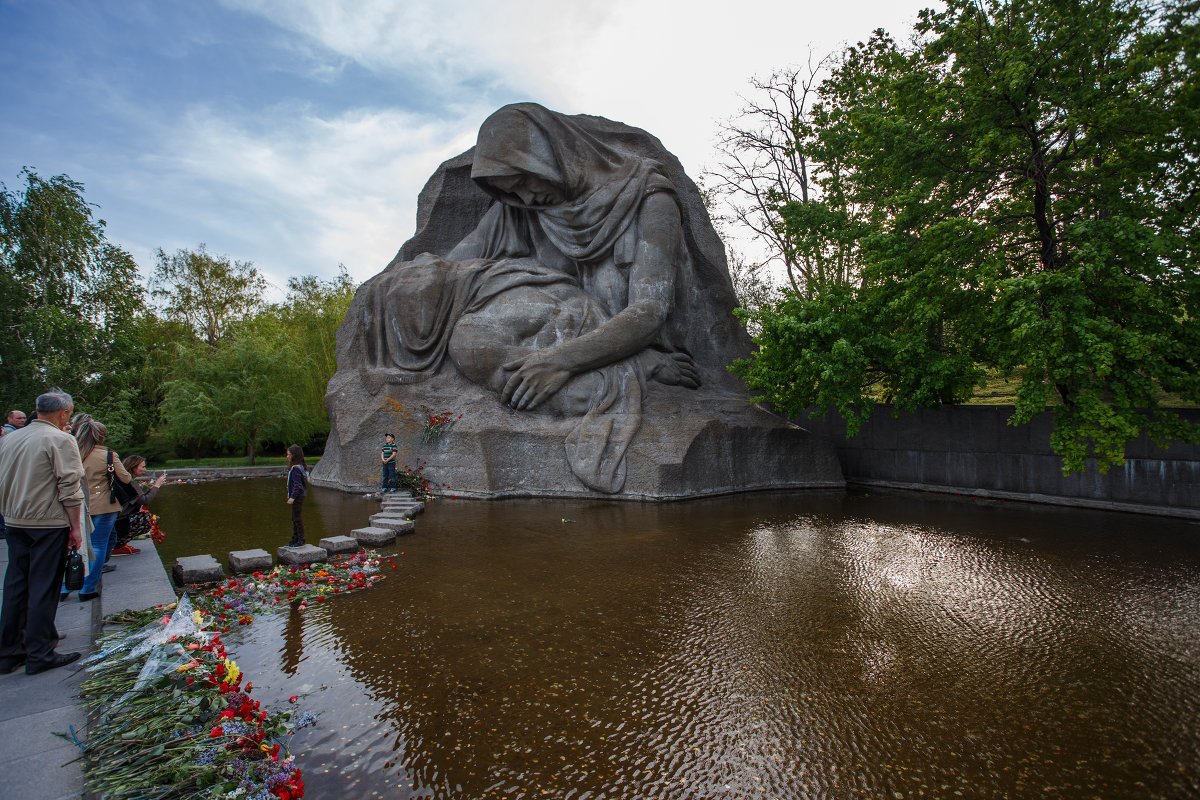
73 576
118 490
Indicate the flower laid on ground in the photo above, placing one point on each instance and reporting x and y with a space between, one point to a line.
238 598
173 720
414 481
437 423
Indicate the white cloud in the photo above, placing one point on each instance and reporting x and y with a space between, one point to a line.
323 190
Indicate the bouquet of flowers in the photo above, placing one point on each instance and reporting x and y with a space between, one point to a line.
437 423
174 721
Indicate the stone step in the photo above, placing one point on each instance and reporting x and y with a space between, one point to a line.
194 570
243 561
396 496
374 536
391 514
339 544
412 507
393 523
304 554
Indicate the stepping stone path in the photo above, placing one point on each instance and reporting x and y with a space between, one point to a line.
374 536
339 544
192 570
304 554
243 561
395 517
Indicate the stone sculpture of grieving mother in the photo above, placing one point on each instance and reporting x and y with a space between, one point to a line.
574 292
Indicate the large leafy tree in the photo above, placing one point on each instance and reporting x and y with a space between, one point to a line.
70 304
208 292
237 392
1021 185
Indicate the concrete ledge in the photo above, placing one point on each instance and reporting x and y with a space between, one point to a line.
339 544
243 561
374 536
194 570
304 554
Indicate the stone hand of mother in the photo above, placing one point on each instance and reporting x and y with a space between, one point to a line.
536 378
651 295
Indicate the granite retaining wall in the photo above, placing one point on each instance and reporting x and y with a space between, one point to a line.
972 450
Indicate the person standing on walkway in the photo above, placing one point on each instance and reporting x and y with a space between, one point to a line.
40 496
103 507
297 490
136 466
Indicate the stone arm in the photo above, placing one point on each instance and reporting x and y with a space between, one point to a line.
539 375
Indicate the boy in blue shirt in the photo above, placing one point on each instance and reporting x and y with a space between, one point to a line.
388 456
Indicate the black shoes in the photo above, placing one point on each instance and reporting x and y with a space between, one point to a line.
60 659
11 665
107 568
85 596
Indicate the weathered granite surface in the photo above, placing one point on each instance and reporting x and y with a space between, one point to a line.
375 536
193 570
245 561
491 324
339 544
302 555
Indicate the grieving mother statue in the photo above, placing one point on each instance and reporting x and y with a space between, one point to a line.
565 285
570 277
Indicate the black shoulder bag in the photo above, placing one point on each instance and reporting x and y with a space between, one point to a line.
118 490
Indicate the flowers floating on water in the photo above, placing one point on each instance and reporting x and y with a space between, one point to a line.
238 598
437 423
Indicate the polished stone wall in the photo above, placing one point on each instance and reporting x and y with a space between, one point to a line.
972 450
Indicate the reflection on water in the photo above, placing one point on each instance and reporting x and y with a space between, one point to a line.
783 646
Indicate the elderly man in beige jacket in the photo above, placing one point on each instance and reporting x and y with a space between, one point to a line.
40 496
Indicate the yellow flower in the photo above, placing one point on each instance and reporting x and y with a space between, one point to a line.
231 672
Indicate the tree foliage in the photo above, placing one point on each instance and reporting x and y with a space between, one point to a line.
1017 190
238 392
70 303
208 292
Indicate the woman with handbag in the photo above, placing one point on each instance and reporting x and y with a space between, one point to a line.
102 471
135 466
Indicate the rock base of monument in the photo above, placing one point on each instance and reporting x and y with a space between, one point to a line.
690 444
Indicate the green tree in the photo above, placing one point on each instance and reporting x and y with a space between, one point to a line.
238 391
70 302
208 292
1021 187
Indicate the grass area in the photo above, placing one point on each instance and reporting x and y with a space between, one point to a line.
240 461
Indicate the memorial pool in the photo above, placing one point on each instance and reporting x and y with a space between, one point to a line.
766 645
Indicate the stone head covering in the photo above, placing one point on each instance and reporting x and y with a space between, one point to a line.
603 187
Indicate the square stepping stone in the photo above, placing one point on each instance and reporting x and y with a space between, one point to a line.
408 507
193 570
339 544
243 561
393 523
374 536
304 554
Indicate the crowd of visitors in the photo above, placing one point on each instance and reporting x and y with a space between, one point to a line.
58 484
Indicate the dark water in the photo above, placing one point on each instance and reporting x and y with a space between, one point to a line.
774 646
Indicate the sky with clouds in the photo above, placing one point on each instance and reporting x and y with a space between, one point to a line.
296 134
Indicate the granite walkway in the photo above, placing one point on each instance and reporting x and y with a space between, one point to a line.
38 760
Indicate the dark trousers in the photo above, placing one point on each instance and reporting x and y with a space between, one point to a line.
36 558
389 475
297 520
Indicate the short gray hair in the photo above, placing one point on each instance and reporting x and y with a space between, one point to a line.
54 400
